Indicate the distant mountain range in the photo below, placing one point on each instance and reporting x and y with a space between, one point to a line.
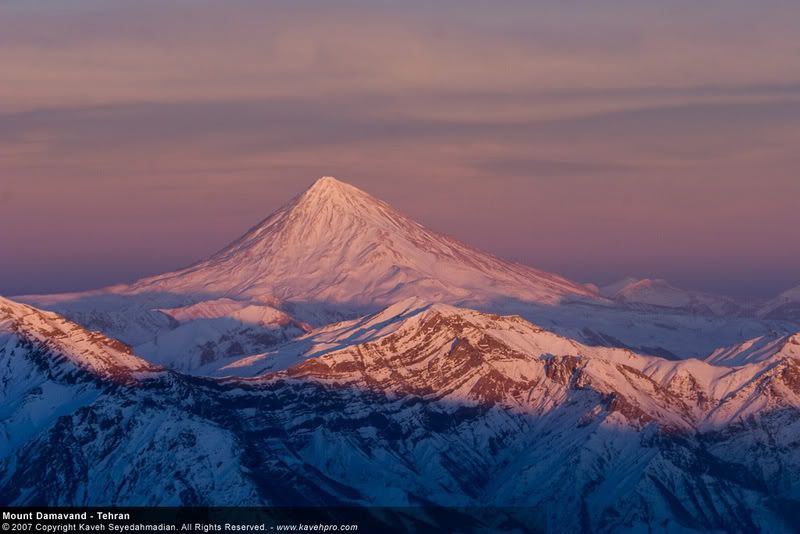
661 293
785 306
340 353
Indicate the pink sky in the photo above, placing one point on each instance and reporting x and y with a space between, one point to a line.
625 138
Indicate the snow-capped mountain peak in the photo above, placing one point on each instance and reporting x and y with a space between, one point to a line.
336 245
330 191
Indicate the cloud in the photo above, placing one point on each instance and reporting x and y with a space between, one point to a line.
100 53
537 168
173 141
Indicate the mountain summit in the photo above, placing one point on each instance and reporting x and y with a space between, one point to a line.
336 245
334 252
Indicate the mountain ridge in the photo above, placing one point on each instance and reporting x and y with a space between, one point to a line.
453 408
94 352
424 333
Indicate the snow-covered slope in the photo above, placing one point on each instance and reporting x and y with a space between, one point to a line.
335 253
83 420
759 349
337 245
22 326
179 331
50 366
666 332
409 344
660 293
210 330
785 306
418 404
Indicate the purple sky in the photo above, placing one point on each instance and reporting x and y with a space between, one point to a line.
598 141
